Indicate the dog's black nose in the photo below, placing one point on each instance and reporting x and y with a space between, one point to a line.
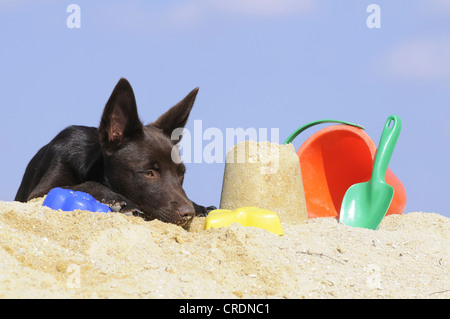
186 211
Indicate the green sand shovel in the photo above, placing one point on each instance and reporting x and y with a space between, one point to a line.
365 204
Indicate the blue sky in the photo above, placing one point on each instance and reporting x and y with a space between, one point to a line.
262 64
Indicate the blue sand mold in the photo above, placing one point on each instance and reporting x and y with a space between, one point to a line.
69 200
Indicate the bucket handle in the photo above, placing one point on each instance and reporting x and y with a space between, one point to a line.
306 126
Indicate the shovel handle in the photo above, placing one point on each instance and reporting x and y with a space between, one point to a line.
386 146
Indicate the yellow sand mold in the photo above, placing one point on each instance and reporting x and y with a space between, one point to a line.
246 216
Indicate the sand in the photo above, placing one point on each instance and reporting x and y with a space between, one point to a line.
55 254
266 175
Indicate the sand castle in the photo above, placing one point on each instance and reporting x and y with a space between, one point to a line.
266 175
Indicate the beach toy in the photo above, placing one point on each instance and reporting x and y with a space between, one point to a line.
332 160
304 127
69 200
246 216
265 175
366 204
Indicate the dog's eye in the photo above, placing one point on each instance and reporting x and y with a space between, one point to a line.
150 173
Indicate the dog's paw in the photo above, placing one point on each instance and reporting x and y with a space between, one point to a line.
135 212
202 211
117 206
126 208
210 208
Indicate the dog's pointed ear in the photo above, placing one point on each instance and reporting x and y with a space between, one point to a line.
120 118
177 116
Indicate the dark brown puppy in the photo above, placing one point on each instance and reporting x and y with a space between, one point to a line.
123 163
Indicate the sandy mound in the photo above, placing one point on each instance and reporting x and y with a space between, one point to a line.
45 253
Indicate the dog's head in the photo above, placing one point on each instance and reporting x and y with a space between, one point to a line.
138 158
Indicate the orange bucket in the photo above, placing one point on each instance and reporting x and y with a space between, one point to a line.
332 160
